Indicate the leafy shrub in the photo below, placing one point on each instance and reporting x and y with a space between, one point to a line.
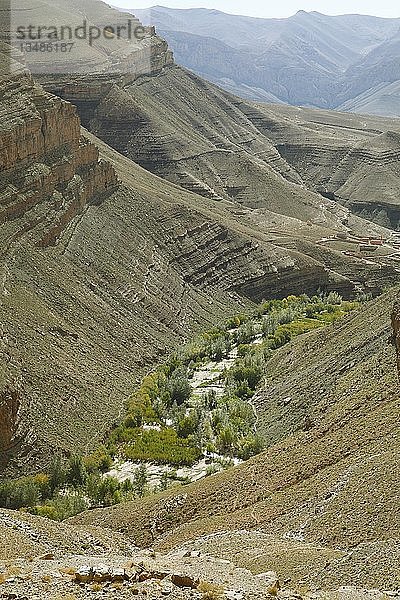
269 324
333 298
108 491
99 460
194 352
210 400
140 481
287 315
211 470
247 374
57 473
241 414
46 510
240 389
187 425
175 362
235 321
42 480
317 308
226 440
244 349
246 333
219 349
270 305
140 410
279 339
20 493
285 333
62 506
251 446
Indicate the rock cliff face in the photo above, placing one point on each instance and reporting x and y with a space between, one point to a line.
354 160
10 405
186 130
127 50
46 165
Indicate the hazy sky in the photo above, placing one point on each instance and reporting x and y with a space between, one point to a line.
281 8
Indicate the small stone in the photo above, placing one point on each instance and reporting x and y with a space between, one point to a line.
84 574
118 575
48 556
167 587
184 581
101 574
182 554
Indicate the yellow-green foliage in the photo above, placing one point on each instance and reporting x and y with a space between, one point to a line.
44 510
24 492
60 507
163 447
140 406
140 411
235 321
318 314
284 333
99 460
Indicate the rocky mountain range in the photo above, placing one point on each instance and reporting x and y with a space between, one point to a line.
136 212
346 62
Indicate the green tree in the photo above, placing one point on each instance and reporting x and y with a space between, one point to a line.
140 480
57 473
179 387
188 424
76 472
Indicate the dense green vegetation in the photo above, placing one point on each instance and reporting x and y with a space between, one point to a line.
169 423
164 447
196 424
68 488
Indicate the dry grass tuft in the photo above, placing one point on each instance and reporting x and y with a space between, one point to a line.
211 591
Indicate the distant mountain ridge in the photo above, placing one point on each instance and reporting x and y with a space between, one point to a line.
345 62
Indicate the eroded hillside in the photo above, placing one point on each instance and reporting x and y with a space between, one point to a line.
267 158
91 270
105 267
